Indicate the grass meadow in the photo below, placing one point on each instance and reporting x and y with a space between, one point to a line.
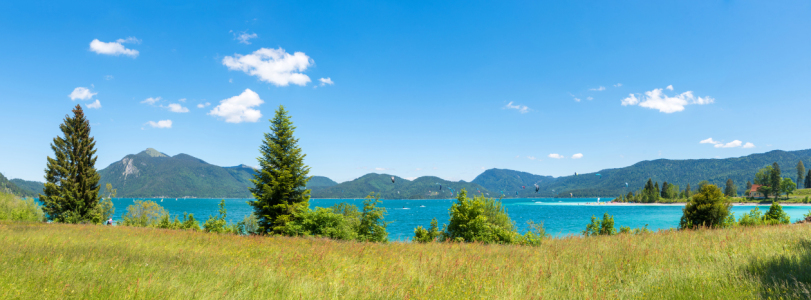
58 261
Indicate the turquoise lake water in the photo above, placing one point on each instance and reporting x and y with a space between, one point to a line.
560 216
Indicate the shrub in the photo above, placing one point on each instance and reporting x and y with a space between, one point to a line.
16 209
478 220
321 222
753 218
249 225
371 227
708 208
604 227
776 215
535 235
421 235
143 214
217 224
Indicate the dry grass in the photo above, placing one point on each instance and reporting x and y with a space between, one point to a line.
55 261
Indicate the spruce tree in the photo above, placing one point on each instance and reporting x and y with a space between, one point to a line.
729 191
656 192
665 190
687 191
800 172
808 180
71 180
775 179
280 185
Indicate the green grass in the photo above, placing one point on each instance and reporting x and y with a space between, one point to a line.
57 261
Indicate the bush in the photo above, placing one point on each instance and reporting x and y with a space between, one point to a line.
421 235
371 227
321 222
776 215
708 208
144 214
217 224
479 220
249 225
753 218
15 209
535 235
604 227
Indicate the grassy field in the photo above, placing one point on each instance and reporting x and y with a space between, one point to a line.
55 261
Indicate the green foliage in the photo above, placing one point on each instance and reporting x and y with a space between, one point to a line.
426 187
143 214
249 225
729 190
217 224
808 180
320 222
279 189
16 209
628 230
106 209
534 236
372 228
71 191
421 235
600 227
707 208
787 186
753 218
479 219
776 179
776 215
800 172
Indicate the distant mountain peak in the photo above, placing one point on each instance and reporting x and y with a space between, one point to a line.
151 152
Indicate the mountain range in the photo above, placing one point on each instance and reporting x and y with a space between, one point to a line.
151 173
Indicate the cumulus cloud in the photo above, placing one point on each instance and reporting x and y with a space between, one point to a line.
599 89
577 156
115 48
94 105
244 37
160 124
656 99
81 93
732 144
151 100
175 107
618 85
272 65
202 105
555 156
521 108
531 157
669 87
326 81
239 109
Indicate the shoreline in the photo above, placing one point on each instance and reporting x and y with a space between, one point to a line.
684 203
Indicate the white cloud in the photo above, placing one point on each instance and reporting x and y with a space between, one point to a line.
748 145
521 108
95 105
238 109
245 37
182 100
326 81
160 124
555 156
174 107
114 48
108 77
151 100
576 99
81 93
589 98
272 65
577 156
202 105
732 144
531 157
669 87
599 89
656 99
380 169
709 141
618 85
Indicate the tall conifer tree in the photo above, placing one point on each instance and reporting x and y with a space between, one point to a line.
800 172
280 185
776 178
729 191
808 180
665 190
687 191
72 182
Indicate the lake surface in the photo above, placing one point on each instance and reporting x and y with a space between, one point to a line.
560 216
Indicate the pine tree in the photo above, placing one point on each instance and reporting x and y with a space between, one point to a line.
280 185
687 191
729 191
800 172
775 178
72 182
665 190
808 180
656 192
748 185
647 195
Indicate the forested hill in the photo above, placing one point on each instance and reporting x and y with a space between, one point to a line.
7 186
611 183
426 187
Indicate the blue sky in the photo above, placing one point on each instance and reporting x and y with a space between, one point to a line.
445 89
